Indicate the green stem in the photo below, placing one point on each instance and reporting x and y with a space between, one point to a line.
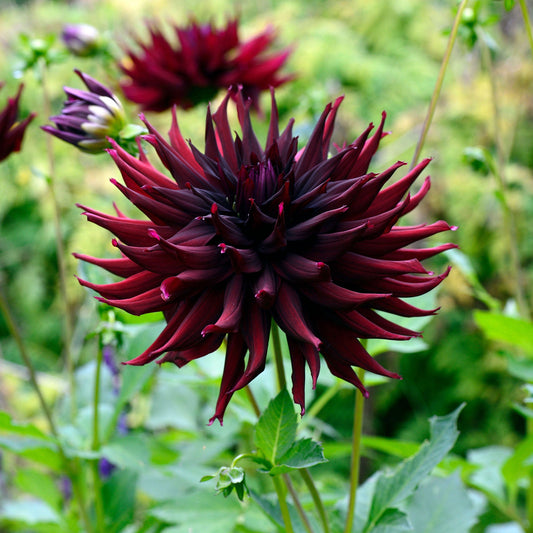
278 357
253 401
356 455
320 403
529 496
297 503
283 504
70 469
498 169
95 446
525 15
317 500
62 270
438 85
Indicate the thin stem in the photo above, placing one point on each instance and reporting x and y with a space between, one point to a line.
438 84
529 496
320 403
253 401
70 469
278 357
283 504
96 445
317 500
62 270
297 504
509 224
356 455
525 15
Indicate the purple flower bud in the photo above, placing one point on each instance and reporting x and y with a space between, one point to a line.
88 118
81 39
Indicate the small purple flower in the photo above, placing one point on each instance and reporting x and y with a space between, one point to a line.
81 39
90 117
11 129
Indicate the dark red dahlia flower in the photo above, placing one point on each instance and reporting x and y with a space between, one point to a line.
11 129
204 60
239 236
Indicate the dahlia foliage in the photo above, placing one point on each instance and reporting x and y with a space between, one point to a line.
204 60
239 237
11 128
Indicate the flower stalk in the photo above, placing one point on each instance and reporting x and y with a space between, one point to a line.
62 269
438 84
282 500
356 455
527 23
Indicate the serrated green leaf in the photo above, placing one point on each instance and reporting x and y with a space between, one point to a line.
506 329
394 447
441 505
393 521
276 429
304 453
394 487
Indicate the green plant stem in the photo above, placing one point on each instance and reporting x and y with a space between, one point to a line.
529 496
356 455
317 500
70 469
297 503
283 504
320 403
60 249
438 84
278 357
525 15
509 224
95 446
253 401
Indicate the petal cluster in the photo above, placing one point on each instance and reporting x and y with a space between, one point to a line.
202 61
81 39
89 117
12 129
237 236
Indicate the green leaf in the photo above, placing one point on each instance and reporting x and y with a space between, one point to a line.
302 454
393 521
129 451
518 465
521 368
30 512
394 447
441 505
118 495
488 477
498 327
276 429
200 512
394 487
39 484
509 4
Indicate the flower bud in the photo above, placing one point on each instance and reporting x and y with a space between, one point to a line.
81 39
90 117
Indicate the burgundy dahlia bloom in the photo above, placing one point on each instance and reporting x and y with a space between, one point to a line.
11 129
240 236
204 60
88 117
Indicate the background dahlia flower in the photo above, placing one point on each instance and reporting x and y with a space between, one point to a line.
88 118
11 129
203 61
240 236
